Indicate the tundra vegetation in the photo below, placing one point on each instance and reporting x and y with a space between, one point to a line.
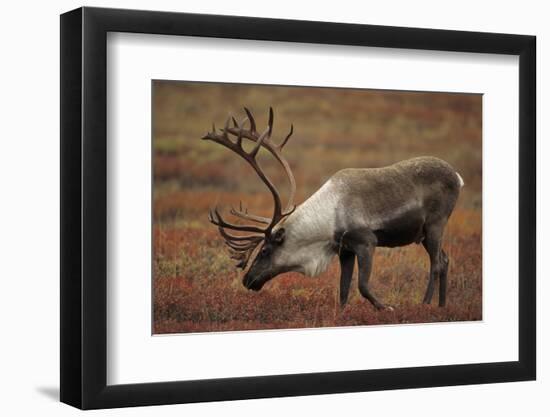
196 287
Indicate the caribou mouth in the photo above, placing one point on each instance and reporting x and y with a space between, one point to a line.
255 284
255 287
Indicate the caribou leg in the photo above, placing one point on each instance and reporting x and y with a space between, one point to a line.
432 244
443 278
363 243
347 263
364 260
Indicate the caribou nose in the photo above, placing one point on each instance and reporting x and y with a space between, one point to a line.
251 284
247 282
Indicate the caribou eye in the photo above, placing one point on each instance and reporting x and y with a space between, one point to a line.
279 236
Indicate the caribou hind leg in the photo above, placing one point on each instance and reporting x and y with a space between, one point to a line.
432 244
347 263
443 278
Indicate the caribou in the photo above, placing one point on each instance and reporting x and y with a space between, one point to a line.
353 213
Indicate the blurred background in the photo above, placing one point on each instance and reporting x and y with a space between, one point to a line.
196 286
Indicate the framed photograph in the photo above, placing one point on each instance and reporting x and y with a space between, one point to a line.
256 208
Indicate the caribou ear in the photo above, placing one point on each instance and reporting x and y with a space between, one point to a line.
279 235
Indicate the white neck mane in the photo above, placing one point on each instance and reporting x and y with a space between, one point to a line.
309 233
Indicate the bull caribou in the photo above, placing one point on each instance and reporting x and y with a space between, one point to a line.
355 211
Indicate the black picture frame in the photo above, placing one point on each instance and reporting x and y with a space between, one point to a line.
84 207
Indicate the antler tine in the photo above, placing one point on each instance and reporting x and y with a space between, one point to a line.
263 137
239 246
226 127
219 221
283 143
233 238
270 122
242 245
245 215
251 119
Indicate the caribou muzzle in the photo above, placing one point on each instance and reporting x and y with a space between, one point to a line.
255 282
251 284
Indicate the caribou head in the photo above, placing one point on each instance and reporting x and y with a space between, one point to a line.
257 249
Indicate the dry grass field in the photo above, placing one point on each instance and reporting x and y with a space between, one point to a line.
196 287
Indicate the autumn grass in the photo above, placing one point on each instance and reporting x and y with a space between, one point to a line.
196 287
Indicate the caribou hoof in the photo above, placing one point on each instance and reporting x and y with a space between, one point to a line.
384 308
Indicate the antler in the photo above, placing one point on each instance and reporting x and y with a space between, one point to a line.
242 246
243 214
